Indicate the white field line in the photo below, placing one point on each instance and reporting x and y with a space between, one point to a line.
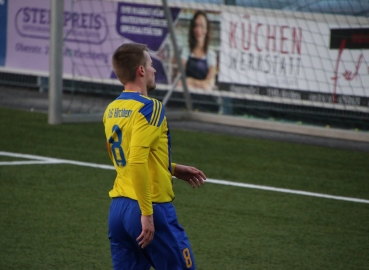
48 160
57 160
284 190
26 162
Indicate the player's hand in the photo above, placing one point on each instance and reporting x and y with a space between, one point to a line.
191 175
148 231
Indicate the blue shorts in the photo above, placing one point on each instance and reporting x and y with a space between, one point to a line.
169 250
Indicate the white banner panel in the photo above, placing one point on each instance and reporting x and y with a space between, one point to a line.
278 54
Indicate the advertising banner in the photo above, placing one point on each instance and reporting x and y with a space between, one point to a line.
294 59
237 54
92 31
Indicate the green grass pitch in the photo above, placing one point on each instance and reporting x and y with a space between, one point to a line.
54 216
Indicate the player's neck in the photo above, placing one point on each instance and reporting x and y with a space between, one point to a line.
133 87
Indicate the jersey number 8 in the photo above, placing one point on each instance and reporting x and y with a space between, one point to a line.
116 146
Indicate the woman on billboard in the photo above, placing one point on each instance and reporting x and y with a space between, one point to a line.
198 59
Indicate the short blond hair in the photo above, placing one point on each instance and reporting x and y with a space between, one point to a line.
126 59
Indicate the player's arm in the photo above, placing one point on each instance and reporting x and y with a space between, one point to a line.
139 173
145 136
191 175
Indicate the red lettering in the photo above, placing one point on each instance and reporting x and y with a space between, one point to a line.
247 46
296 40
356 38
256 36
232 35
335 77
271 36
283 39
360 38
348 75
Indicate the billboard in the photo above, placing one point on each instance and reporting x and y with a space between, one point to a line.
92 31
239 54
293 58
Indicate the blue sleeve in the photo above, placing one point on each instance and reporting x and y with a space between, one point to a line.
153 112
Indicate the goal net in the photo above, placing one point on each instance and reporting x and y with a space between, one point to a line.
295 61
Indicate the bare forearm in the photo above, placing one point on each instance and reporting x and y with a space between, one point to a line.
191 175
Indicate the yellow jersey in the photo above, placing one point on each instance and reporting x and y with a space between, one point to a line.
138 140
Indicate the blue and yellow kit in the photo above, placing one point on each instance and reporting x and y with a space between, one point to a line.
138 140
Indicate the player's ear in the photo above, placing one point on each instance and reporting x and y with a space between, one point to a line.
141 71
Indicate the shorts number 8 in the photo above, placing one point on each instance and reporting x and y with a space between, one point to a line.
187 257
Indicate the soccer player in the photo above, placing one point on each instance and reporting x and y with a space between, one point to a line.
143 227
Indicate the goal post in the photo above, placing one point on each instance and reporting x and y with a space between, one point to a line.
178 58
56 63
